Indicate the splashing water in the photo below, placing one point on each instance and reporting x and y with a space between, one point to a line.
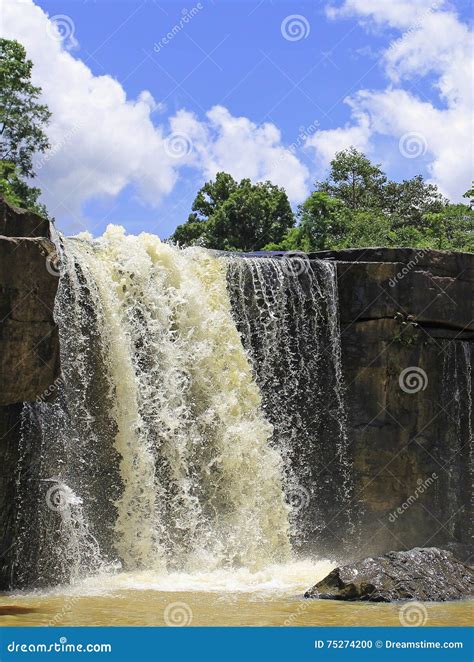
157 429
287 312
456 401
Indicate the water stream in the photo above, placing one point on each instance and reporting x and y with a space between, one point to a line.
195 445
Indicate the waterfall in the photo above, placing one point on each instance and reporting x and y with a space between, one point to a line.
156 452
456 404
287 312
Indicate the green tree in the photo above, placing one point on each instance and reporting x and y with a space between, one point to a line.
17 192
326 223
357 206
470 195
450 229
320 221
354 180
211 196
22 121
409 200
236 216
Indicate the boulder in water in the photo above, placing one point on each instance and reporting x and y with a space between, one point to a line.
425 574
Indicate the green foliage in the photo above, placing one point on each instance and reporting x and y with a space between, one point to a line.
236 216
357 207
407 331
451 229
406 202
22 119
17 192
470 195
354 180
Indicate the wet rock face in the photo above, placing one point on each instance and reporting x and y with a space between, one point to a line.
29 345
428 574
29 349
407 332
16 222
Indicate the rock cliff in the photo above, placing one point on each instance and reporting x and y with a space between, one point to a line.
407 330
29 347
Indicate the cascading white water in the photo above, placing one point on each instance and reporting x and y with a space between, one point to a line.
456 402
158 428
287 312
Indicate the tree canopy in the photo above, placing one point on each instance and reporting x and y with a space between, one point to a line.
239 216
22 122
358 206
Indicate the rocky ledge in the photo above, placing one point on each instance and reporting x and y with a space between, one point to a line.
29 346
425 574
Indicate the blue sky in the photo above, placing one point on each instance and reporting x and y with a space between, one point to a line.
292 83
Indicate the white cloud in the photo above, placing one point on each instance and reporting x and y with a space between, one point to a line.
240 147
327 143
432 41
395 13
102 141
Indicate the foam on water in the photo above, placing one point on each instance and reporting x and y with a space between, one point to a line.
158 429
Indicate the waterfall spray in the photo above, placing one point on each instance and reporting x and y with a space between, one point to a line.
158 429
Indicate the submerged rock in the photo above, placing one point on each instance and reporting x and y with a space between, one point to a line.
425 574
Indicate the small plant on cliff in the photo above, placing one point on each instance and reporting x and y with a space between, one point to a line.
407 330
22 122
